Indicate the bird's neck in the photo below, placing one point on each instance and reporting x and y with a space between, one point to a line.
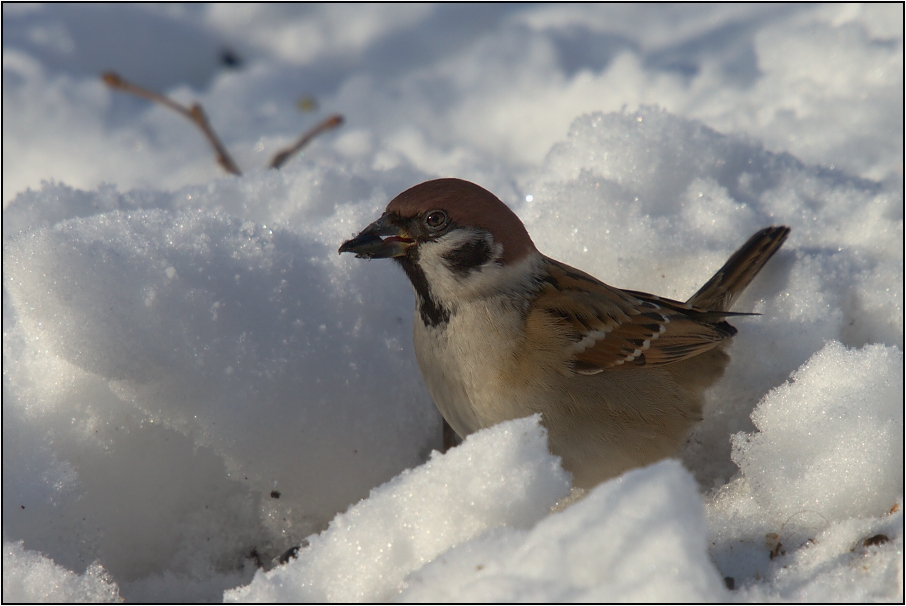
439 293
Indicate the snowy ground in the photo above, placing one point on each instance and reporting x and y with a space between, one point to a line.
194 380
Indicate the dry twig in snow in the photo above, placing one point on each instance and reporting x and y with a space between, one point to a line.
195 114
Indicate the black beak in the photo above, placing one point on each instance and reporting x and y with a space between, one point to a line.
370 244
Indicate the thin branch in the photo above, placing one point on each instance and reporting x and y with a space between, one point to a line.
330 123
195 114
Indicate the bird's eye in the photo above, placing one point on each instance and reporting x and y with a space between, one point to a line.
435 219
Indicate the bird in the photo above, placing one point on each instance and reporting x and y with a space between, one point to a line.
502 331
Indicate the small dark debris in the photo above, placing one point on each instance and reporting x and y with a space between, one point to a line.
292 552
22 506
256 557
777 551
228 58
275 494
730 582
878 539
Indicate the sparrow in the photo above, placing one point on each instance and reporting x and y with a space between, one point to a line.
502 331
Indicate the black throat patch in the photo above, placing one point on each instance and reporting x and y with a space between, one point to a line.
432 313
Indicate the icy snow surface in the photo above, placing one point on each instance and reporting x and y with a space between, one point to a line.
194 381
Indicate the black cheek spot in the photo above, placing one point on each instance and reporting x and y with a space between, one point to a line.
467 257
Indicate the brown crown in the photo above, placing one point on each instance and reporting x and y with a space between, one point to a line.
469 205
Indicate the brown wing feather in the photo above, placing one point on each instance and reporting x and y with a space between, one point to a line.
611 328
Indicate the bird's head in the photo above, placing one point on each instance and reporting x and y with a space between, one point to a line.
454 239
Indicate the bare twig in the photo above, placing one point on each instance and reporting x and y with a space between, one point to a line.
281 157
195 114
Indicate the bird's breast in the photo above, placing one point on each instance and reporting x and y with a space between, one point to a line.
468 365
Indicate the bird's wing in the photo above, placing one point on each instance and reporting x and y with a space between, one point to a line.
612 328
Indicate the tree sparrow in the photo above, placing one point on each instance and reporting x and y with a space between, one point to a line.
502 331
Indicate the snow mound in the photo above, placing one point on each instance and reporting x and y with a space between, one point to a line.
499 476
30 577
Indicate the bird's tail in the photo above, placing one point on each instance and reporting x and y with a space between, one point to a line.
740 269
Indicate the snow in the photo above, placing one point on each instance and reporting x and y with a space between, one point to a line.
503 477
850 466
816 480
194 381
30 577
638 538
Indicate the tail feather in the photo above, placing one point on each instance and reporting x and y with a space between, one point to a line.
739 270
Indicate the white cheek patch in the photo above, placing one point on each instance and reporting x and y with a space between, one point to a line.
431 254
452 285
